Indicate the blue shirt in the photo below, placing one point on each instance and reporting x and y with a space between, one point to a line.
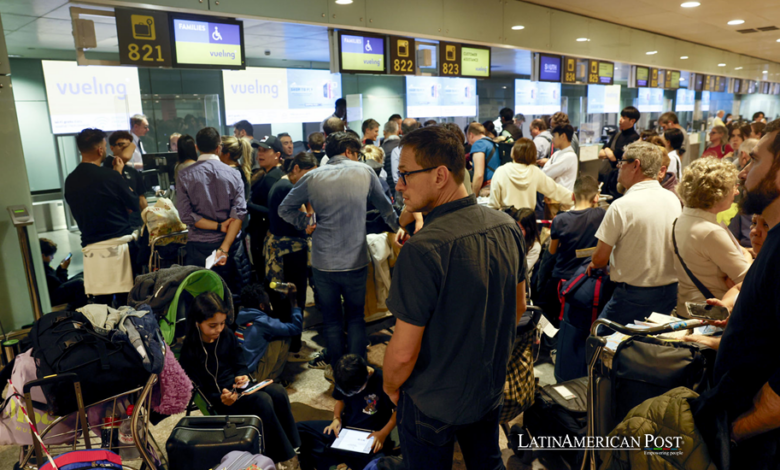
485 145
574 230
212 190
339 192
256 329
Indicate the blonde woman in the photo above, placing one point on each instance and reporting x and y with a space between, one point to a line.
708 250
237 153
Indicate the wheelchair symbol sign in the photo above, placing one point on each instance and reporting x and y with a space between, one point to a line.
215 35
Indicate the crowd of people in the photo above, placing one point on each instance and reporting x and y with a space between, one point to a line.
463 206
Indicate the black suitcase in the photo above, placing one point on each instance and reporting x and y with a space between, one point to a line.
200 442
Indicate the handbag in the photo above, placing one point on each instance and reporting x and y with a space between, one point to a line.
520 385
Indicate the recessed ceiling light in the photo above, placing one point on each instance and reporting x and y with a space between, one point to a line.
586 40
518 27
504 88
684 57
721 65
651 52
737 68
735 22
765 71
343 2
682 79
690 4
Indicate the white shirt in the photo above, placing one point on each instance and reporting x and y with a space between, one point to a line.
638 227
139 149
395 158
675 166
207 156
562 167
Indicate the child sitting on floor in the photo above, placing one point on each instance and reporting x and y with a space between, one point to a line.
361 404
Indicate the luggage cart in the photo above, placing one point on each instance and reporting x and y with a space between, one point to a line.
599 399
156 261
32 457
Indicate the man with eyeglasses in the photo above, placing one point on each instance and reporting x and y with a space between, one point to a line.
139 126
457 293
635 239
339 192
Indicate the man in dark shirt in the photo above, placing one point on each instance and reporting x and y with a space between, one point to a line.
269 156
509 129
613 152
748 351
61 289
100 199
122 146
458 291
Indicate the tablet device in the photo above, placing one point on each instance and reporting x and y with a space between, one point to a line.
354 440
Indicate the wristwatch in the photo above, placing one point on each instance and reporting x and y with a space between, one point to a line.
219 226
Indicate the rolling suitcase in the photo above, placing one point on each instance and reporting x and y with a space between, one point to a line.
200 442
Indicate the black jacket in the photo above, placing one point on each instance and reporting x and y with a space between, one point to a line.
230 358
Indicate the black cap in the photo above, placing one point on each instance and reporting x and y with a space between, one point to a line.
269 142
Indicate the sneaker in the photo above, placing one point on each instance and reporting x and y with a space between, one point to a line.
297 357
329 374
319 360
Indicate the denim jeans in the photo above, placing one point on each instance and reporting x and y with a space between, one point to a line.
630 303
331 287
428 444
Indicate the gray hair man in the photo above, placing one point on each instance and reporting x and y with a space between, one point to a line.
635 239
139 126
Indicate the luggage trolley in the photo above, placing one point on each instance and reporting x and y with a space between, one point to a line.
600 409
173 249
151 456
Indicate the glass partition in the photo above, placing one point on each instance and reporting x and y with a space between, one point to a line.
183 114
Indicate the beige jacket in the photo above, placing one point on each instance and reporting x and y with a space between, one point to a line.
516 185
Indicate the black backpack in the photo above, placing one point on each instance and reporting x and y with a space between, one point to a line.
66 342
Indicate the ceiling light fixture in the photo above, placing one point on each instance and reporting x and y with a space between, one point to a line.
690 4
721 65
738 68
518 27
343 2
651 52
583 39
765 71
684 57
735 22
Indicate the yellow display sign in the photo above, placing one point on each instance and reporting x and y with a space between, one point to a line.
475 61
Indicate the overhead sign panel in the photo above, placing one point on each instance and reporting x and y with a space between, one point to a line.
402 56
144 38
81 97
475 61
361 53
207 42
449 59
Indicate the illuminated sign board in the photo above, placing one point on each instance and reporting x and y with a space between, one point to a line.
474 61
361 53
207 42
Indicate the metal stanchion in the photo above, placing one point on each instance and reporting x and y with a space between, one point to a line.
21 218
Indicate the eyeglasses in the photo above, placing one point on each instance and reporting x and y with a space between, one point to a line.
624 162
350 394
403 174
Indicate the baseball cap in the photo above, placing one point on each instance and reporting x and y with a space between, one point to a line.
269 142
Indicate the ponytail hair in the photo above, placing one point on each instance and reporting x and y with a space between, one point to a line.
239 150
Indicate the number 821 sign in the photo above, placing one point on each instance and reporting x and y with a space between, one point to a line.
144 38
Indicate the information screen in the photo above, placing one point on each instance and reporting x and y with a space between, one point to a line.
207 42
675 80
536 98
705 100
650 100
642 76
603 99
475 62
273 96
441 97
685 100
549 68
361 54
606 72
81 97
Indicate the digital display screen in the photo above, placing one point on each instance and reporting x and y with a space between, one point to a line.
536 98
642 75
685 100
81 97
650 100
699 84
362 54
705 100
441 97
606 73
273 96
549 68
675 80
752 86
475 62
603 99
207 42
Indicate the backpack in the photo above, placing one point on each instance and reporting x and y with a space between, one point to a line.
66 342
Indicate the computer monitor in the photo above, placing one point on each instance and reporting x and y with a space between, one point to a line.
158 169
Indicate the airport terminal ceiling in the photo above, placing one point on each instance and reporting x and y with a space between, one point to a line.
42 29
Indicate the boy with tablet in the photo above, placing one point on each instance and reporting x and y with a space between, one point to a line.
363 418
